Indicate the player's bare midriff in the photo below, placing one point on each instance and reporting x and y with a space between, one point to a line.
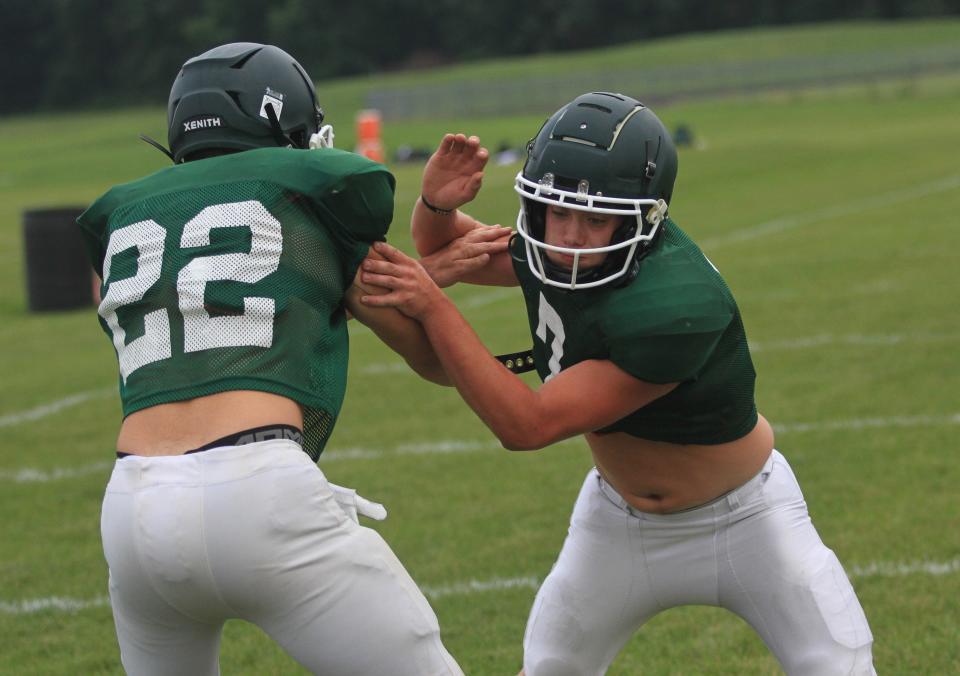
175 428
660 477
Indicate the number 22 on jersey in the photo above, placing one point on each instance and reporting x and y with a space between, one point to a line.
254 327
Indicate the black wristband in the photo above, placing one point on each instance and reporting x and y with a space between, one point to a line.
436 210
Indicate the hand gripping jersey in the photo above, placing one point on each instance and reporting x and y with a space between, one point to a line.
229 273
676 321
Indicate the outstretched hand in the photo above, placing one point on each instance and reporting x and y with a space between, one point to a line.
465 254
454 173
411 290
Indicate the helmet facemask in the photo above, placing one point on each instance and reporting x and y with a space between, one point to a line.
641 223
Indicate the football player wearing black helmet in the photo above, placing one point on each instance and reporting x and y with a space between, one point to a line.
642 350
226 282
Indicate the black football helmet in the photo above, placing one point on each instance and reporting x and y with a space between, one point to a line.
240 96
604 153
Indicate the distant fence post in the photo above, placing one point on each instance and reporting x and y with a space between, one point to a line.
59 275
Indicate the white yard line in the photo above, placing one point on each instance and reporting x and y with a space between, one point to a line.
881 201
825 339
802 343
864 423
893 569
481 586
387 368
497 584
55 406
58 603
29 475
490 297
455 446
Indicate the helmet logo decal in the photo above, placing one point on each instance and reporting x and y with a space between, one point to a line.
274 99
203 122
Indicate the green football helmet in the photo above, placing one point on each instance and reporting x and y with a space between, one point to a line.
240 96
603 153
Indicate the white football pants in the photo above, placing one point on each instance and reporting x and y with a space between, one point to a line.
253 532
753 551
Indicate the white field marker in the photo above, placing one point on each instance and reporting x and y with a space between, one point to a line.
496 584
55 406
882 201
457 446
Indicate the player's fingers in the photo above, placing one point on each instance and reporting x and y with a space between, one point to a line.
391 253
474 263
473 185
460 144
385 300
459 141
487 233
475 159
497 246
385 281
381 267
446 144
484 249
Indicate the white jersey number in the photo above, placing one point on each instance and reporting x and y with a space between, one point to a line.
154 344
201 331
255 325
550 319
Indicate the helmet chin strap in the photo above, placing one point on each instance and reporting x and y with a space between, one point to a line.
323 138
155 144
282 139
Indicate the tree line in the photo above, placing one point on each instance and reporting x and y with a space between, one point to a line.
70 54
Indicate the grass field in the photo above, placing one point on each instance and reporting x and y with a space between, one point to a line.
833 215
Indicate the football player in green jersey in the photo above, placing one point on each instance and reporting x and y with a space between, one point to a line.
226 284
641 348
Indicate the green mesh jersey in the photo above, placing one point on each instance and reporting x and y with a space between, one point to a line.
676 321
229 273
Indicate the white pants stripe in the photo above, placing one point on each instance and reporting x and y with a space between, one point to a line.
753 551
253 532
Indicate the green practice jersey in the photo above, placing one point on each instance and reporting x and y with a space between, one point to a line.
676 321
229 274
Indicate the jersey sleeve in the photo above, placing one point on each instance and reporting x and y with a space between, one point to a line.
352 194
670 338
93 228
361 205
356 209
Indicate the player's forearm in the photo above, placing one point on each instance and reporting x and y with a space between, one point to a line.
403 335
432 231
500 398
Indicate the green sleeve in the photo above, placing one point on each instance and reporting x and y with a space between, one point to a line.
668 339
357 211
92 223
362 204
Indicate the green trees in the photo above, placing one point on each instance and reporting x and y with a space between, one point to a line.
80 53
